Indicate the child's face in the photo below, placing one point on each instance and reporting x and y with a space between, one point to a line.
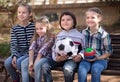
67 22
92 19
40 28
23 13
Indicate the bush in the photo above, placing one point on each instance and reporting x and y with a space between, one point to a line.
4 49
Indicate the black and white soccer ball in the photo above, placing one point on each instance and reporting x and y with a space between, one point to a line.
66 46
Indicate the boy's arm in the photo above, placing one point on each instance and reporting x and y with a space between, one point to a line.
83 47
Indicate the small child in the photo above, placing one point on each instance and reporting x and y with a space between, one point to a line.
40 48
68 25
21 35
98 39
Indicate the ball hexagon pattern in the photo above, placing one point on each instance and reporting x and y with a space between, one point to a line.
65 46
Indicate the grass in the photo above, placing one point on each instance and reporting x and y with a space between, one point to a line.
4 49
4 44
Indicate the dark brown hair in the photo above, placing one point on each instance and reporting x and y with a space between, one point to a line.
70 14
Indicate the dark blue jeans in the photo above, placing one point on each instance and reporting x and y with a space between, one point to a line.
11 70
95 68
68 66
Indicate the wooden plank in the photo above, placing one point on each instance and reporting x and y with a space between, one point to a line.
116 60
115 36
111 72
115 56
117 41
116 47
113 68
114 65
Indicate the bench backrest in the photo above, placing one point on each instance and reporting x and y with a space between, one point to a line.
114 63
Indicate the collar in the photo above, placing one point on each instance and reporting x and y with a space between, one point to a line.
100 30
71 30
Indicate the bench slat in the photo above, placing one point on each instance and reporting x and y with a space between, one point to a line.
111 72
115 56
115 41
116 47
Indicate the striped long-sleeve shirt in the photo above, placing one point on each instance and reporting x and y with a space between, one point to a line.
20 38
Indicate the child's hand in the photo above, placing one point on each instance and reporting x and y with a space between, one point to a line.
14 60
61 57
77 58
30 68
94 59
91 60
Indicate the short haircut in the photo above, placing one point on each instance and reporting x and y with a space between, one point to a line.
70 14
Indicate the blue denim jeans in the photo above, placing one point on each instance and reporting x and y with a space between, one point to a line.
11 70
95 68
24 70
37 70
69 67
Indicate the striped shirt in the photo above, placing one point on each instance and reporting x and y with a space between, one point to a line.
20 38
100 41
42 48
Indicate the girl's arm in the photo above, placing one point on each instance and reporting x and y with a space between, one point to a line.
14 45
31 55
46 47
104 56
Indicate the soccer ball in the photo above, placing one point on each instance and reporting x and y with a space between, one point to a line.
89 53
66 46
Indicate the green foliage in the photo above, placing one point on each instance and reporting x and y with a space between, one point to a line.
4 49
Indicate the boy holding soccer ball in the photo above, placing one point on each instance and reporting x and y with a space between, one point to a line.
68 25
98 45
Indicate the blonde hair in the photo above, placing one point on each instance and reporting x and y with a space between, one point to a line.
44 20
29 8
96 10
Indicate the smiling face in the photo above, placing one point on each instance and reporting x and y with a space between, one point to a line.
41 28
67 22
93 19
23 14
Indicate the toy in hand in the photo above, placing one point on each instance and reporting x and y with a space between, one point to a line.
89 53
66 46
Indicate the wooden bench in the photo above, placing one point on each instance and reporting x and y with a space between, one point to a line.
113 65
114 61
